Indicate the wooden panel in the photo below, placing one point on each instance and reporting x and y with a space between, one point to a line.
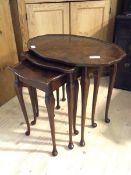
18 12
7 52
112 16
23 22
16 25
48 18
7 45
90 18
6 86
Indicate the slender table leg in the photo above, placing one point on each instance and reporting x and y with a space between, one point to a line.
19 93
57 99
36 101
63 93
111 85
70 100
85 83
76 89
96 88
30 89
50 103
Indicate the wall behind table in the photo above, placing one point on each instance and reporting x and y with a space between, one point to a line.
8 53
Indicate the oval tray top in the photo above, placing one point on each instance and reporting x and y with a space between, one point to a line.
75 50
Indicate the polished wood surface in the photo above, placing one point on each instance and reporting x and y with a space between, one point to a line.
76 50
33 58
72 74
46 80
43 63
91 54
27 72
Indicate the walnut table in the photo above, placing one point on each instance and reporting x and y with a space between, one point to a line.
92 55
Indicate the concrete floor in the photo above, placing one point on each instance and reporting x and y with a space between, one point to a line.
107 150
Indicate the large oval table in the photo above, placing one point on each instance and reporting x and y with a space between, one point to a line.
91 55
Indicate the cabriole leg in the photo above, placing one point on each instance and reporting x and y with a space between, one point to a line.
32 98
57 99
36 101
111 85
76 90
63 93
70 100
50 104
85 83
19 93
96 88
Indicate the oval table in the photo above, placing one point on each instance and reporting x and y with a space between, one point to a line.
91 55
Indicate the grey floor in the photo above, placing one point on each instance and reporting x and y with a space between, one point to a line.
107 150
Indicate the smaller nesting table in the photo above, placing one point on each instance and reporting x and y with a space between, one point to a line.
43 78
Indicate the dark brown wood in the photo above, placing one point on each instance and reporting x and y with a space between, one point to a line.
18 89
34 96
70 98
82 52
33 102
76 50
63 93
57 99
50 103
34 59
76 89
36 101
96 88
30 74
35 77
85 83
111 85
